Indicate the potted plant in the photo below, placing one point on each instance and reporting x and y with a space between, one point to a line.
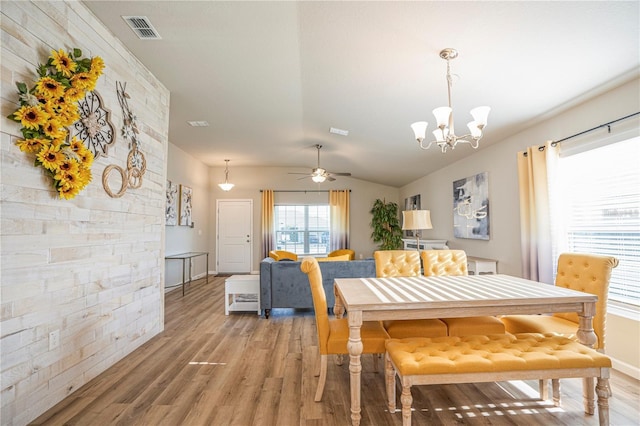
386 225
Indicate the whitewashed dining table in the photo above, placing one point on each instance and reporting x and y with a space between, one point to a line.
379 299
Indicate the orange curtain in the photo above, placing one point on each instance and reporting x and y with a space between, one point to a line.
339 210
266 221
534 167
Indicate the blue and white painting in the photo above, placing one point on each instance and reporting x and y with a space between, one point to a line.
471 207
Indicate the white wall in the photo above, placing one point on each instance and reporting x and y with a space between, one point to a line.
91 267
499 160
184 169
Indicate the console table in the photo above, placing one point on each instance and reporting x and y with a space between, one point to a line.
410 243
188 256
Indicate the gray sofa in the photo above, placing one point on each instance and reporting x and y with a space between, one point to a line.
284 285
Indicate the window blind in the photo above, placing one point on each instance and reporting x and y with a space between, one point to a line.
598 198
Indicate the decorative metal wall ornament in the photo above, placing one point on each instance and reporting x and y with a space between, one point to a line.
94 127
136 163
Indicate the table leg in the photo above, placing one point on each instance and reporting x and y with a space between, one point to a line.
355 367
587 337
338 307
184 277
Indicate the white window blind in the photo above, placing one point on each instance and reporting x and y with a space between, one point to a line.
598 211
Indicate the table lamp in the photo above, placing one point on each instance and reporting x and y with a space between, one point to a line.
415 220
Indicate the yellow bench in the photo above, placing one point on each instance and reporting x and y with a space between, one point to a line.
493 358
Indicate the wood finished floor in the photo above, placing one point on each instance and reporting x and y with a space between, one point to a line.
210 369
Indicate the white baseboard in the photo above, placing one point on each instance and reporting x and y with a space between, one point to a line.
628 369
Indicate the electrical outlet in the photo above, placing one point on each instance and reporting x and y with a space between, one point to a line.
54 339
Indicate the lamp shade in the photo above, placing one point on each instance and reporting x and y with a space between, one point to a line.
416 219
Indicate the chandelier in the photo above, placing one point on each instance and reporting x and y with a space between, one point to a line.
226 186
445 136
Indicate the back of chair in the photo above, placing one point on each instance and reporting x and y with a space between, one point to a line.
437 263
282 254
397 263
310 267
588 273
341 252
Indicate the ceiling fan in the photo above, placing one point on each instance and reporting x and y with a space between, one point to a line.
318 174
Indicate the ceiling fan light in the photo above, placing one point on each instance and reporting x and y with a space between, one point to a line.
420 130
480 115
442 115
318 178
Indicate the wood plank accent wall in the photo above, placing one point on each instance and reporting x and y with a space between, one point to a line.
91 268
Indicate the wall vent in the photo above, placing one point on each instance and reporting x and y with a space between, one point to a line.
142 27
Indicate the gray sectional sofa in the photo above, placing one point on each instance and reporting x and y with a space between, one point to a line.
284 285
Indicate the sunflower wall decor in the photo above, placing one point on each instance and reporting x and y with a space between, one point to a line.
48 108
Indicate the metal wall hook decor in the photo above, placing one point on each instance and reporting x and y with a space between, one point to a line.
136 162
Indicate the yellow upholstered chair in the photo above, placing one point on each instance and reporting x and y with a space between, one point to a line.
282 254
405 263
333 334
452 263
341 252
340 258
397 263
582 272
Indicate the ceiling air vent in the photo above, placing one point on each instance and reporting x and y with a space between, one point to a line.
142 27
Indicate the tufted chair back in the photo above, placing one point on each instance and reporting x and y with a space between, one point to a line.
310 267
397 263
341 252
444 262
590 274
282 254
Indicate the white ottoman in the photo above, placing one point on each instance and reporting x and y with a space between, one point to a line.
242 293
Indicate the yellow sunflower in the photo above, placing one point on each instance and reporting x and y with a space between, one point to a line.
86 156
31 145
49 88
97 65
63 62
54 129
84 176
68 191
82 80
31 117
51 157
76 145
73 94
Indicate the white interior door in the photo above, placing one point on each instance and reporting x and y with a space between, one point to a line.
235 235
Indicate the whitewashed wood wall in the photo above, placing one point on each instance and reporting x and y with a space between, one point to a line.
91 267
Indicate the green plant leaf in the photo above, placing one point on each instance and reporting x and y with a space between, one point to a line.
77 52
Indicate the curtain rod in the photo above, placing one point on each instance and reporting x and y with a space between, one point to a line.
306 190
608 125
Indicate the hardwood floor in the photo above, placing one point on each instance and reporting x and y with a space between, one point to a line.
210 369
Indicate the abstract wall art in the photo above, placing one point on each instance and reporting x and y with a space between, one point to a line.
471 207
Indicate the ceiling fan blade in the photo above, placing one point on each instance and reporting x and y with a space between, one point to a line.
292 173
330 179
304 177
340 174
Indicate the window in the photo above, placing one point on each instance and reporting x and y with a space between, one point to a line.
598 211
302 229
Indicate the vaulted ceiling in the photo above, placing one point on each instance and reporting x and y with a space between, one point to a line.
271 78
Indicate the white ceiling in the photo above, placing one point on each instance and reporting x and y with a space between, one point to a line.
271 78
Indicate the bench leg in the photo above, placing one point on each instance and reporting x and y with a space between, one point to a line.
390 382
555 389
543 384
589 396
407 401
603 391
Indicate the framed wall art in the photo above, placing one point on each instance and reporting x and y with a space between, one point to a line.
171 212
471 207
185 206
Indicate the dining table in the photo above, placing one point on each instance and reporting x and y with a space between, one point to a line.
380 299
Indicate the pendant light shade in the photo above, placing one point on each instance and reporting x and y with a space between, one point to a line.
226 186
